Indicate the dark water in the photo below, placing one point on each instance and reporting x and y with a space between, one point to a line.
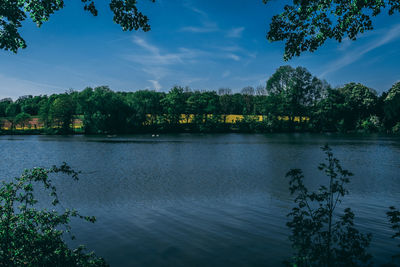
206 200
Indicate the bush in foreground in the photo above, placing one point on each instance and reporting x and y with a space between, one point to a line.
319 236
34 237
394 219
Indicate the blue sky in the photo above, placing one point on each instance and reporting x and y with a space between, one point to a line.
203 44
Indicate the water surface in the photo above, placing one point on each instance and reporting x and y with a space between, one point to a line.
196 200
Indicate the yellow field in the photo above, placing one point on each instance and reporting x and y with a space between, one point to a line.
35 124
184 119
232 118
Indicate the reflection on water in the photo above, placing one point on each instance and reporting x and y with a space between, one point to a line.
195 200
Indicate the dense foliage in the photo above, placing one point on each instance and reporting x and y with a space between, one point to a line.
13 13
30 236
394 219
319 236
306 25
292 100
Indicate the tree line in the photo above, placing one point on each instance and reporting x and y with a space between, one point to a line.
292 100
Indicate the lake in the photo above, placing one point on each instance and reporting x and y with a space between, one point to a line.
206 200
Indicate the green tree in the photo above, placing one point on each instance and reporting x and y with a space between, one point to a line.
248 90
22 119
231 103
212 100
237 106
195 104
104 111
394 219
306 25
248 93
392 106
224 91
174 104
30 104
145 106
13 13
4 103
62 111
44 110
359 104
13 109
225 102
201 104
329 112
34 237
319 237
294 91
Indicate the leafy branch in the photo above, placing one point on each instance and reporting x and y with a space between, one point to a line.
35 237
318 237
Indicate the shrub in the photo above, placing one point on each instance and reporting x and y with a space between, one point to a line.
396 128
320 237
394 219
371 124
34 237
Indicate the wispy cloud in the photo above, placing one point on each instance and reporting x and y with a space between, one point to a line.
160 64
198 11
205 28
144 44
156 85
233 56
156 72
155 57
189 5
235 32
354 55
237 49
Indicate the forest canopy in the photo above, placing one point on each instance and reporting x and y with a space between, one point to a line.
13 13
291 100
306 25
303 25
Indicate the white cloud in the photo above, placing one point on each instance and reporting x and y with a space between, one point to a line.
156 72
252 55
142 43
205 28
166 66
189 5
239 50
354 55
156 84
198 11
207 25
235 32
154 56
233 56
